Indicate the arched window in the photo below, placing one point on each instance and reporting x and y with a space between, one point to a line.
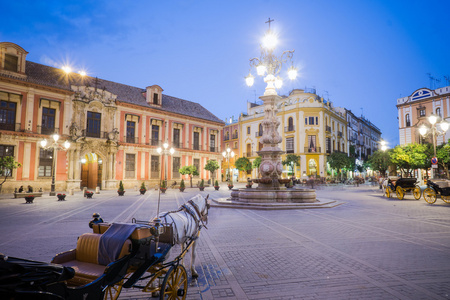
407 120
260 131
290 124
438 112
235 134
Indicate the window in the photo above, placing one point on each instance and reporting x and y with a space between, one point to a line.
131 129
290 124
155 98
311 143
248 130
6 150
306 121
48 120
438 112
130 165
196 141
408 121
328 144
197 165
422 112
317 120
11 62
176 165
154 166
260 132
155 135
176 137
7 114
93 124
212 143
290 145
311 120
235 136
45 162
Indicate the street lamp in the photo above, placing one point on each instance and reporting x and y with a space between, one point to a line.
424 131
56 147
227 154
165 151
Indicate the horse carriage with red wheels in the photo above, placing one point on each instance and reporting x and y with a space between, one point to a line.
113 257
401 186
437 187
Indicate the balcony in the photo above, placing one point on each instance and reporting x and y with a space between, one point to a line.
196 147
154 142
46 130
226 138
10 127
328 128
234 136
290 151
214 149
131 139
249 154
339 134
289 128
312 150
258 133
176 144
95 134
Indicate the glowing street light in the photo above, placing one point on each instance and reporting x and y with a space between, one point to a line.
227 154
165 151
56 147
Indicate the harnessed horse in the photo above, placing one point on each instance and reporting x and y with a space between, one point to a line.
187 222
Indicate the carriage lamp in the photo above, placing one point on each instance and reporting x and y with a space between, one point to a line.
434 131
55 146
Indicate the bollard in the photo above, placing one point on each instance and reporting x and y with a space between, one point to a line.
84 191
97 190
71 192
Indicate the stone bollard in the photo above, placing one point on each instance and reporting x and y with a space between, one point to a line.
97 190
84 191
71 192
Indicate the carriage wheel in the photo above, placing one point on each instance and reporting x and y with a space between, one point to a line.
446 199
388 192
113 292
400 193
174 285
429 195
417 193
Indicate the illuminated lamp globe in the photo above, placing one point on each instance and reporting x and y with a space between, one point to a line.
67 69
278 83
43 143
423 130
432 119
261 69
269 41
292 73
444 126
66 144
249 80
55 137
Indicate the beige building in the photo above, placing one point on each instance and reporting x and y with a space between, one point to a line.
309 126
114 129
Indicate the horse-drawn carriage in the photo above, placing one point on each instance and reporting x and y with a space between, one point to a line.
112 257
437 187
401 186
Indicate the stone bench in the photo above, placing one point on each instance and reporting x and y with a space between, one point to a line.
23 195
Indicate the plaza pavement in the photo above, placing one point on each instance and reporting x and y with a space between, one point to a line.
369 247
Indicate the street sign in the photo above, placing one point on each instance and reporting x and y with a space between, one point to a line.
434 160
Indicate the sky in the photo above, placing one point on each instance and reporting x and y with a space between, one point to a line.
361 55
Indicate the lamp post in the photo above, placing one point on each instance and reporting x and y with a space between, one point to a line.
424 131
227 154
56 147
165 151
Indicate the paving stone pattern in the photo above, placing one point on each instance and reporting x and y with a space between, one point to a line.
368 248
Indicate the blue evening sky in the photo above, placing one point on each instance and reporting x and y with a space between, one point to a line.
362 55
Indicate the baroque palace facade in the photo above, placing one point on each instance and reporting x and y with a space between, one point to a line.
114 129
310 127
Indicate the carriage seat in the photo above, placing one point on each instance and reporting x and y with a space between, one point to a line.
84 259
442 183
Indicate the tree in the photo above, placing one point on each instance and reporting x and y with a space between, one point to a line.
7 165
409 157
380 161
339 161
212 166
443 156
290 160
243 164
256 163
190 171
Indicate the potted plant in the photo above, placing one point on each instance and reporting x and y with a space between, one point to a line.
143 189
121 190
182 186
230 184
61 197
216 185
163 187
89 194
249 184
29 198
202 185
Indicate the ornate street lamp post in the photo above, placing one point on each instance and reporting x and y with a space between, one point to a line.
424 131
269 65
165 151
227 154
56 147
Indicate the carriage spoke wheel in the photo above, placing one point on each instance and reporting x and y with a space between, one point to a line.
429 195
113 292
400 193
174 285
388 192
417 193
446 199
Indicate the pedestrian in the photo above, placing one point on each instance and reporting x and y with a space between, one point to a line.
21 189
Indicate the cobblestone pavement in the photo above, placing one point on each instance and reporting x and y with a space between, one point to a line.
370 247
